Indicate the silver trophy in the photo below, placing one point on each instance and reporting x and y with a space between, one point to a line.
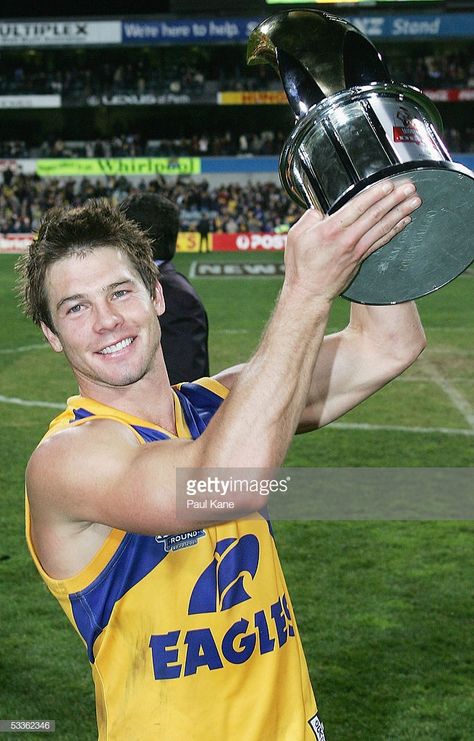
354 127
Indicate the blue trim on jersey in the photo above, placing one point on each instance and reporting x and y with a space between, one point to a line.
80 413
199 404
92 607
137 555
148 434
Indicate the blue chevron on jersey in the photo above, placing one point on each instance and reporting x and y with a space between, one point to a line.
136 556
199 404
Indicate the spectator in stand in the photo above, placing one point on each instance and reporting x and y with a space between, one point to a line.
184 324
203 228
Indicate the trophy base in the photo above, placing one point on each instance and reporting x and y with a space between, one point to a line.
436 247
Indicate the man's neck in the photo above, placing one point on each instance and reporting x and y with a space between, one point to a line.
150 399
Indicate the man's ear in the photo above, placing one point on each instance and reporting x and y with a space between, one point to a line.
52 338
159 299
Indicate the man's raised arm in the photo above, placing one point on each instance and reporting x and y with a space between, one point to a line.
106 477
379 343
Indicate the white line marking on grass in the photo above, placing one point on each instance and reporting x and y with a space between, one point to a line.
23 348
455 396
427 379
30 402
447 329
461 351
401 428
337 425
230 331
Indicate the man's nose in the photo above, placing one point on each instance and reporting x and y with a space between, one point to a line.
106 317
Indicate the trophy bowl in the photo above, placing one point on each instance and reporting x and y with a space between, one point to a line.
355 127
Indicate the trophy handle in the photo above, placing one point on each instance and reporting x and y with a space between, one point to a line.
316 55
363 63
301 88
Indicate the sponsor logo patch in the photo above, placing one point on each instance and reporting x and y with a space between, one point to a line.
318 727
179 541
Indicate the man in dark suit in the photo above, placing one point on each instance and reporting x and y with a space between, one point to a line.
184 324
203 229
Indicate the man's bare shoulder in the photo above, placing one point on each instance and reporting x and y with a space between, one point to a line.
70 458
229 376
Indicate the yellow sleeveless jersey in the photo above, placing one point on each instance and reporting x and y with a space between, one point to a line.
189 636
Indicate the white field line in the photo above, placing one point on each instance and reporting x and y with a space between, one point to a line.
446 329
401 428
426 379
458 351
337 425
455 396
230 331
23 348
29 402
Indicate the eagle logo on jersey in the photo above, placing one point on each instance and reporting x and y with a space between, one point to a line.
225 581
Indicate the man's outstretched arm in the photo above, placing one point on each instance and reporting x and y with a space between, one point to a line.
379 343
103 476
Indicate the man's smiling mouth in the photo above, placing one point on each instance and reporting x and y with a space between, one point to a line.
118 346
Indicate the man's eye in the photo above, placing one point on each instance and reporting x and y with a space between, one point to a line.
75 309
121 292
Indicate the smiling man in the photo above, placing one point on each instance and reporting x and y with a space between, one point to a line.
190 632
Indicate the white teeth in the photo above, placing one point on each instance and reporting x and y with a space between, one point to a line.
117 347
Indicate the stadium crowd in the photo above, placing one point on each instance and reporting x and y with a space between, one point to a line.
206 144
255 207
223 144
439 70
87 80
84 78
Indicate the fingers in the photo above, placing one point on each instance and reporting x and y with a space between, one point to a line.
359 205
310 218
370 206
333 247
388 225
386 209
399 226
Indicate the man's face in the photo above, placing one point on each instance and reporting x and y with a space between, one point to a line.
104 319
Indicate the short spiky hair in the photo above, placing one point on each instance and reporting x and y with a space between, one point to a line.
67 231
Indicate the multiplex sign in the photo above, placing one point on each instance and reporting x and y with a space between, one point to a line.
60 33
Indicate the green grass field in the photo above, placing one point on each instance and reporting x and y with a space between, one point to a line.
385 609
